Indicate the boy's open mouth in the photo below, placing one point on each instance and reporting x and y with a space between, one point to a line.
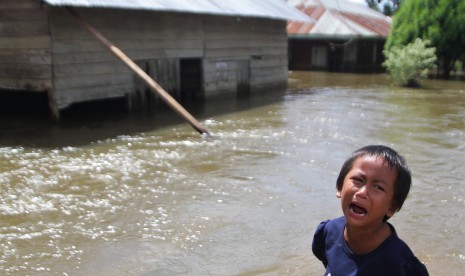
357 209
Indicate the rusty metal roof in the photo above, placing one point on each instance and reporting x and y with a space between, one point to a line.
335 18
276 9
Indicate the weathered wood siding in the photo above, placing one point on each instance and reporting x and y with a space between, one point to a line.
85 70
25 59
48 47
232 42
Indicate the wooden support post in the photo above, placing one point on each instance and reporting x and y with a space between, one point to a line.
165 96
53 109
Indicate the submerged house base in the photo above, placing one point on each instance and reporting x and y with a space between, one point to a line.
191 55
357 55
345 37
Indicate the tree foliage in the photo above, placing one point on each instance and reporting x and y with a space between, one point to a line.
394 4
387 7
440 21
373 4
407 64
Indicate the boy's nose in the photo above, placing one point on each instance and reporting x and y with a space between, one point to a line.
362 192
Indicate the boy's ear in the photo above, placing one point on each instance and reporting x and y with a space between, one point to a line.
391 211
338 194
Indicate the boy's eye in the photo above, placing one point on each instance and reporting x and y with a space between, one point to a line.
378 187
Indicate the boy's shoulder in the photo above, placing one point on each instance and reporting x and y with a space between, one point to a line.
395 256
392 257
328 234
332 225
395 244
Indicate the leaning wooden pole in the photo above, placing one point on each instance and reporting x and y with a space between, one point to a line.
165 96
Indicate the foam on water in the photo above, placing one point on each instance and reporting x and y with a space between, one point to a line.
161 202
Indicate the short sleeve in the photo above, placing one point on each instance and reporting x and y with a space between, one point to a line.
319 243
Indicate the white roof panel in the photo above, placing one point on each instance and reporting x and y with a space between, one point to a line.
340 5
339 18
277 9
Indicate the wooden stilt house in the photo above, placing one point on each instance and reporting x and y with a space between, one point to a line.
345 37
192 48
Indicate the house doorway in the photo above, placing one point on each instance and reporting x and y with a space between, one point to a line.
243 78
190 79
336 55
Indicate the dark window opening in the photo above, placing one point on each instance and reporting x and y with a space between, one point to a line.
24 103
190 79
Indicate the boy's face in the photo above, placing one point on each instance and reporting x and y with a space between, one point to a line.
367 193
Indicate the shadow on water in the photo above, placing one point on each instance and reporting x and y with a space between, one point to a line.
27 123
24 119
140 196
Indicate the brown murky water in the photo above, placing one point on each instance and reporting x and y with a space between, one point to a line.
130 196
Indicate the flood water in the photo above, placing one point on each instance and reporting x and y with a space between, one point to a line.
125 195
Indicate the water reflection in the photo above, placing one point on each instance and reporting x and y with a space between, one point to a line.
135 196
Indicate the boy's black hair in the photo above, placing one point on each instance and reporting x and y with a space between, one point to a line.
394 160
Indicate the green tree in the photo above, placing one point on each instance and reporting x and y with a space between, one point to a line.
387 7
373 4
407 64
440 21
394 4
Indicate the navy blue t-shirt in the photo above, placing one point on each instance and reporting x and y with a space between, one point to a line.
392 257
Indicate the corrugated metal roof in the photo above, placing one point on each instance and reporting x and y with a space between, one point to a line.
339 18
277 9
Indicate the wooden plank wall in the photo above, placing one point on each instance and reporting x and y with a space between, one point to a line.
85 70
231 41
25 60
165 72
